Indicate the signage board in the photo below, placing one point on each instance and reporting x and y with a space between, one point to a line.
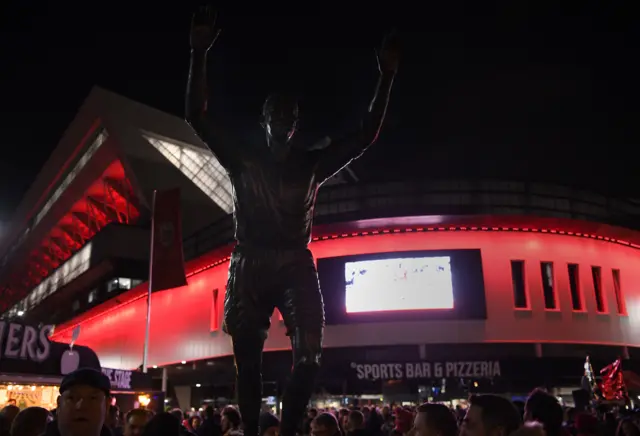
123 380
120 379
425 370
24 342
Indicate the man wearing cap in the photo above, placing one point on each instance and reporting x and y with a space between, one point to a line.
83 404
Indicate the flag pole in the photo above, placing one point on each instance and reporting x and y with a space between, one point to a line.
145 354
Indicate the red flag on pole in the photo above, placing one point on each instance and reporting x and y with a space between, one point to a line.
166 268
166 263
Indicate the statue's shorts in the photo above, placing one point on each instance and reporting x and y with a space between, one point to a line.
261 280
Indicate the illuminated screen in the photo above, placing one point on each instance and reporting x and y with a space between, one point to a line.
396 284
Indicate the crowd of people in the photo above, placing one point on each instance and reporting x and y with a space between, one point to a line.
486 415
84 409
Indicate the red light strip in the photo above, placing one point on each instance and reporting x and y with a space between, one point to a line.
475 229
209 266
442 229
385 232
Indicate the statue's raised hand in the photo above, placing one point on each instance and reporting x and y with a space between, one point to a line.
388 54
203 29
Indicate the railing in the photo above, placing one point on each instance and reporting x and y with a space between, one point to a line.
343 203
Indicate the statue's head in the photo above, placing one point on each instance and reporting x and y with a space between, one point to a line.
280 118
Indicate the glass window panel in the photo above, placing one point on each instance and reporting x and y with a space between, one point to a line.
72 268
201 167
97 142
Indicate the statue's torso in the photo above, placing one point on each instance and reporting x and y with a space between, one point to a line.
274 200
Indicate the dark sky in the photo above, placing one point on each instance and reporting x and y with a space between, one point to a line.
525 90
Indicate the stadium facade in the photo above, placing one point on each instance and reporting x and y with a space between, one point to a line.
475 285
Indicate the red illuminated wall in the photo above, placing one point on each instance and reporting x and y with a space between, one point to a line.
181 319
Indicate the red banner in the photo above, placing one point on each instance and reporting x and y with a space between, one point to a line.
166 269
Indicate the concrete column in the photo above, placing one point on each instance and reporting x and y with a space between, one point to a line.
164 381
183 395
538 348
625 353
422 349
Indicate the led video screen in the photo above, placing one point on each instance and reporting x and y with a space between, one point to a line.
394 286
418 283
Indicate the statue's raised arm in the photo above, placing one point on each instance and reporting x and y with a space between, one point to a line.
341 151
204 34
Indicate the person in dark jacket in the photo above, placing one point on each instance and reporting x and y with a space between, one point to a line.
113 420
211 424
31 421
9 413
544 408
231 421
162 424
184 431
356 424
269 424
325 424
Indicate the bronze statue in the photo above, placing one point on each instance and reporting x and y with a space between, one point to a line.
274 194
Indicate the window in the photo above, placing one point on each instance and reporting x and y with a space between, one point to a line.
76 265
574 287
596 274
119 283
618 290
75 306
214 311
519 289
548 289
93 296
112 285
91 150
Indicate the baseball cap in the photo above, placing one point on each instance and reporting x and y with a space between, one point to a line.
86 377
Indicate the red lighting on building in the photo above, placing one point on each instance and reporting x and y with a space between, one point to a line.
108 199
181 323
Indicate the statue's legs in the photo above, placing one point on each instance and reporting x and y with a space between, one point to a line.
302 309
260 279
307 350
247 313
247 350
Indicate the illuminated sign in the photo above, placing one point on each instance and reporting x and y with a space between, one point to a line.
424 370
119 378
18 341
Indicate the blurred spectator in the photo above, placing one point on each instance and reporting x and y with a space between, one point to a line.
490 415
544 408
162 424
435 420
270 424
32 421
325 424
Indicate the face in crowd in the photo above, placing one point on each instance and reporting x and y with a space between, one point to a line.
135 422
82 410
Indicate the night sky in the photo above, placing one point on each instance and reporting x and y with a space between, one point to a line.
525 90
